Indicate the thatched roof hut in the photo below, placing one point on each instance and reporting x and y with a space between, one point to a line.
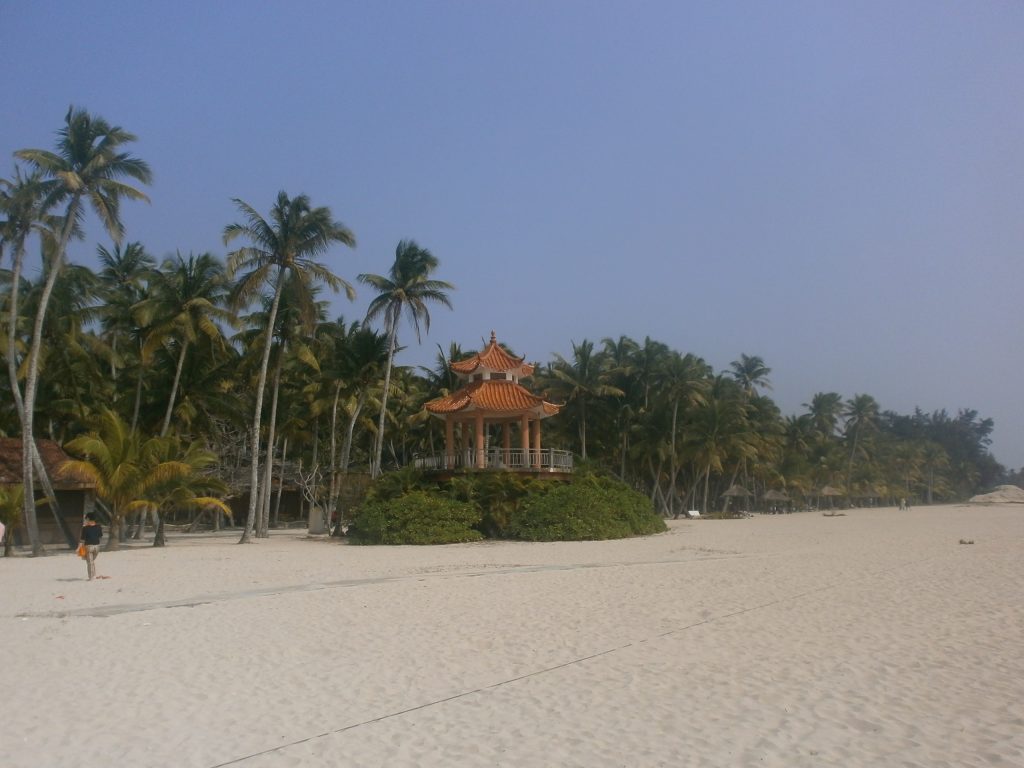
776 496
75 492
53 458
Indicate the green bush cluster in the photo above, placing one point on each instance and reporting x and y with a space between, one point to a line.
416 517
584 511
409 507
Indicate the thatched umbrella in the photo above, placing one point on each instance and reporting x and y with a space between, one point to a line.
831 492
734 492
775 496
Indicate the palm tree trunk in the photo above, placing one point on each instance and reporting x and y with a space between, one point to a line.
174 389
625 448
159 539
674 464
707 481
18 256
254 472
263 530
583 429
138 393
32 380
346 451
280 482
333 496
346 448
849 466
378 448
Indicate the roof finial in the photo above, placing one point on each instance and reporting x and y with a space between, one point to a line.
494 339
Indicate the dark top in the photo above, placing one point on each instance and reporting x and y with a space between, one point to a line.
91 534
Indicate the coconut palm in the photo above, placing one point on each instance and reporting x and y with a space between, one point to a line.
186 301
584 381
112 457
720 431
407 289
175 478
290 242
861 413
825 409
88 167
751 373
683 381
124 275
71 363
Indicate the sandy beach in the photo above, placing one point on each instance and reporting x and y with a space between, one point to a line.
869 639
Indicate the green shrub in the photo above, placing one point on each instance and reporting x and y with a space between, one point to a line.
393 485
417 517
596 508
495 494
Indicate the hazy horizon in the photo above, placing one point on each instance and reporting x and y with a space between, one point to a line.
835 188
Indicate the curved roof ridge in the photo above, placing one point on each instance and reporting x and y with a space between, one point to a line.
494 358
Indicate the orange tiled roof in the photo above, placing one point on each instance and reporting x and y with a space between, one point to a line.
494 358
494 396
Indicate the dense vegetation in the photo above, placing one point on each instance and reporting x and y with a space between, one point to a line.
410 507
202 352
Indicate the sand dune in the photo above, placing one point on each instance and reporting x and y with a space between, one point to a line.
873 638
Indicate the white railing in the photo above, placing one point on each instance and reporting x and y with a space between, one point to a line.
516 459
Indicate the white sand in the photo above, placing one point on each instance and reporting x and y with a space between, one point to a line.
870 639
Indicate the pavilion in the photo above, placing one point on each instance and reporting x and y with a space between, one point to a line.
490 400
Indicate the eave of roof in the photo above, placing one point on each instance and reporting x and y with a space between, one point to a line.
492 396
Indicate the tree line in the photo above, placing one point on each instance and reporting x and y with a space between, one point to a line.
178 382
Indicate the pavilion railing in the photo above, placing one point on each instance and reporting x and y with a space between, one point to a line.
515 459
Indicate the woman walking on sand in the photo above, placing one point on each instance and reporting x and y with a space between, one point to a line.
92 532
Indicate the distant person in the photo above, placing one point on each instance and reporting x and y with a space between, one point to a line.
903 504
92 532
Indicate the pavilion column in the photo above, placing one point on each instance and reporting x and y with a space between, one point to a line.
506 440
467 461
524 434
536 444
481 455
449 443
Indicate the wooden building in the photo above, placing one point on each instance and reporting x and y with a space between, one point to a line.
76 494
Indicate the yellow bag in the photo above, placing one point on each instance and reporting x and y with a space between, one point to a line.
81 551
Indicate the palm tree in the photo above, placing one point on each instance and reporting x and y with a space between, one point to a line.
861 412
407 288
185 303
751 373
22 204
124 275
720 431
583 381
825 409
684 381
89 165
132 474
291 242
112 458
364 357
175 479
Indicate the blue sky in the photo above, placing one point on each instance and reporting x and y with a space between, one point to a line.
835 187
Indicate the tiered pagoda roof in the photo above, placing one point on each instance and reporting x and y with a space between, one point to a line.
492 387
494 359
